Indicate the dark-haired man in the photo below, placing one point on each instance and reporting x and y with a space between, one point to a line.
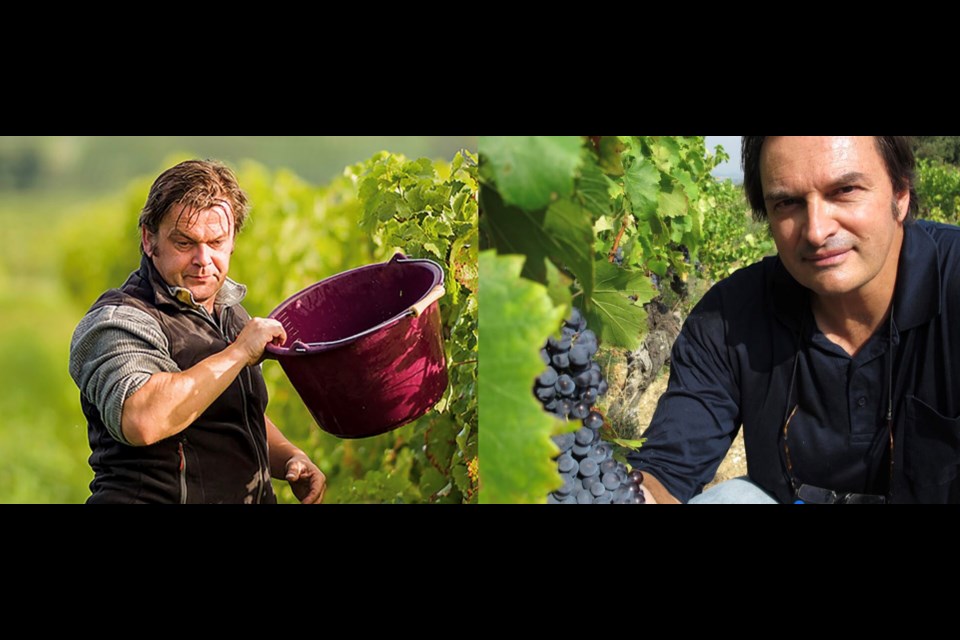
839 357
166 365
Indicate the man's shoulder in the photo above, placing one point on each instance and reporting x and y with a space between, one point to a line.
942 233
946 239
746 287
112 317
741 302
755 274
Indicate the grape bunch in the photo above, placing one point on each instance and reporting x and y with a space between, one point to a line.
618 257
568 388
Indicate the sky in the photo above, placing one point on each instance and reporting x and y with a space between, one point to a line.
730 144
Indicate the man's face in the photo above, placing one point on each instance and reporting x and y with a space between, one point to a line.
830 204
192 249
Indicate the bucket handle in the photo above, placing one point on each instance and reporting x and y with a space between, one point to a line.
315 347
435 294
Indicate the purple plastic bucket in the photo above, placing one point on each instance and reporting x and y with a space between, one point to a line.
364 348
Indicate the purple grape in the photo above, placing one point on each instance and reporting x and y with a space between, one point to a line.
610 481
579 355
548 378
584 436
593 421
589 467
566 464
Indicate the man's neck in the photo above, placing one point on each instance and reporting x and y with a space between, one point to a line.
849 324
849 320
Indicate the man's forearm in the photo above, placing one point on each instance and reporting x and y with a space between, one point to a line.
170 402
281 449
657 490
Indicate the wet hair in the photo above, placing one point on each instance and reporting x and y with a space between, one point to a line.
896 151
198 185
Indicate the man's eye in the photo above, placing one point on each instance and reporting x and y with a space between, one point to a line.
846 190
182 245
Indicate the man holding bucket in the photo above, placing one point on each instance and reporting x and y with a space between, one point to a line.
166 365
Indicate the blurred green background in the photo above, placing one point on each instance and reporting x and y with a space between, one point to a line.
46 182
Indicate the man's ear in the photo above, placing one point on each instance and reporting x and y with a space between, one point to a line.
903 204
147 241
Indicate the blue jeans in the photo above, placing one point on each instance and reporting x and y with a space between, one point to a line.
737 491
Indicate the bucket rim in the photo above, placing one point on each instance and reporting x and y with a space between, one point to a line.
299 348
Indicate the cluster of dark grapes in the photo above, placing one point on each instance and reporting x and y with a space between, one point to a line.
618 256
568 388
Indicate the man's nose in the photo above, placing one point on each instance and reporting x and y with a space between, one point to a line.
203 255
820 222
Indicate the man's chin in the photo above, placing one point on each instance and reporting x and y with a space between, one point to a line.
831 289
202 294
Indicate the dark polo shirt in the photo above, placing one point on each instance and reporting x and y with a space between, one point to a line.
733 363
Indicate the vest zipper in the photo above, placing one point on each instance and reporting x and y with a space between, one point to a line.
261 456
183 473
246 419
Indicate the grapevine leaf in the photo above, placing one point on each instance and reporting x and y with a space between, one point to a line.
603 223
630 444
688 184
532 171
570 228
665 152
641 183
672 203
595 190
622 321
611 148
515 446
558 285
563 234
659 267
463 258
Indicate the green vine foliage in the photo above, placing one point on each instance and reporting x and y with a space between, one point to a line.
430 210
732 239
567 202
560 207
938 190
299 233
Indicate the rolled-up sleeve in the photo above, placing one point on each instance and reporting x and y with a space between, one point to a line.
698 417
114 351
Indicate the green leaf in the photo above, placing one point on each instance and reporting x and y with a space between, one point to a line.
659 267
563 234
532 171
688 184
516 452
610 158
594 189
622 321
665 152
463 260
570 228
511 230
629 444
641 183
672 203
603 223
558 286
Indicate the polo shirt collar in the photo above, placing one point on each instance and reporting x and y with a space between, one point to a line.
917 296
